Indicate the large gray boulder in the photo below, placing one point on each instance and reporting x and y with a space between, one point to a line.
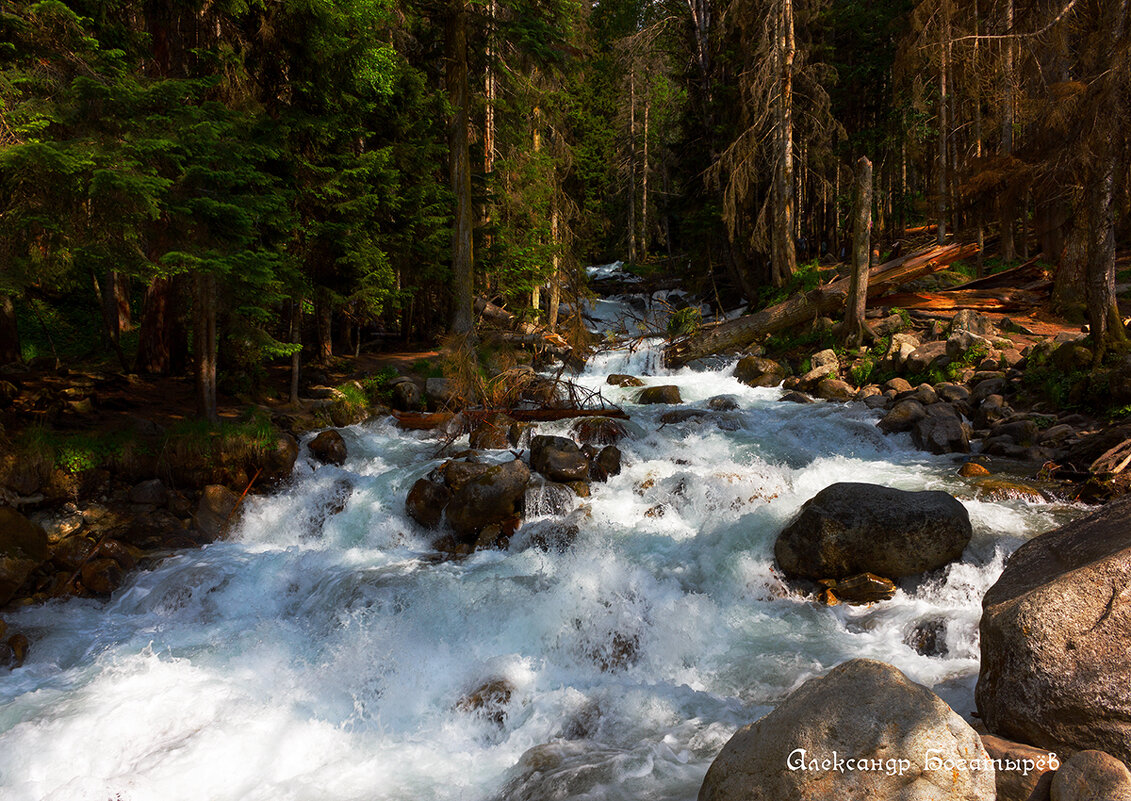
851 528
941 431
908 745
1056 639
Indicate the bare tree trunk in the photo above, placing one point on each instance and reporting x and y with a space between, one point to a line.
556 277
861 255
942 184
324 322
1008 205
205 346
296 357
536 290
9 333
644 187
632 165
459 166
783 255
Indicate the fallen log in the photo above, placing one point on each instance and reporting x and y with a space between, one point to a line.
992 300
799 309
426 421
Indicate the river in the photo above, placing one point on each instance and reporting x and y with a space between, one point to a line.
319 660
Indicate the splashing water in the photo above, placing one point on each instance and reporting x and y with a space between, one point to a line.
318 656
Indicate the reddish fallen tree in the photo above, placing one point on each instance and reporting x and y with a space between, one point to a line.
826 300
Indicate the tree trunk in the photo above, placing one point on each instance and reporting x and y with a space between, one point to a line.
1101 254
459 166
644 187
861 255
324 322
160 350
942 185
783 255
632 166
9 333
205 346
116 304
556 275
296 357
1008 204
1069 293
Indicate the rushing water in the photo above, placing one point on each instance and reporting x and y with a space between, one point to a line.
315 657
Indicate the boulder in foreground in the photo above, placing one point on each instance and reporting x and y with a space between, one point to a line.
1056 639
850 528
906 743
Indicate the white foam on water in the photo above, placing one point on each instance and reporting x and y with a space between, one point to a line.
321 655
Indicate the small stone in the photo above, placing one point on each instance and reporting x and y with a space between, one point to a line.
972 469
621 380
863 588
756 371
489 700
102 576
152 492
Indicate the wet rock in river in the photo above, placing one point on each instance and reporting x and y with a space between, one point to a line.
426 501
667 393
621 380
941 430
329 448
1056 638
902 417
928 638
217 503
599 430
723 403
756 371
558 459
851 528
606 463
495 497
489 700
492 433
864 710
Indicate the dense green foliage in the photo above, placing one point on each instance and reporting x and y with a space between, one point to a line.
282 174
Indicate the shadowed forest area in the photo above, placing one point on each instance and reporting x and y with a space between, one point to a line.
219 189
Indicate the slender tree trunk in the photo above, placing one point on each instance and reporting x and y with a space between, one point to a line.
632 165
644 186
1008 203
536 290
861 255
324 322
783 254
9 333
116 304
205 346
296 357
556 277
942 184
459 166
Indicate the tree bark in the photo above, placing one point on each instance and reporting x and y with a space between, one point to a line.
160 349
943 66
9 333
1008 203
324 323
804 308
632 165
296 357
783 255
205 346
861 255
1070 291
459 166
556 275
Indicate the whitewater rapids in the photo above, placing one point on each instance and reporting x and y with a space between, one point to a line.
322 658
